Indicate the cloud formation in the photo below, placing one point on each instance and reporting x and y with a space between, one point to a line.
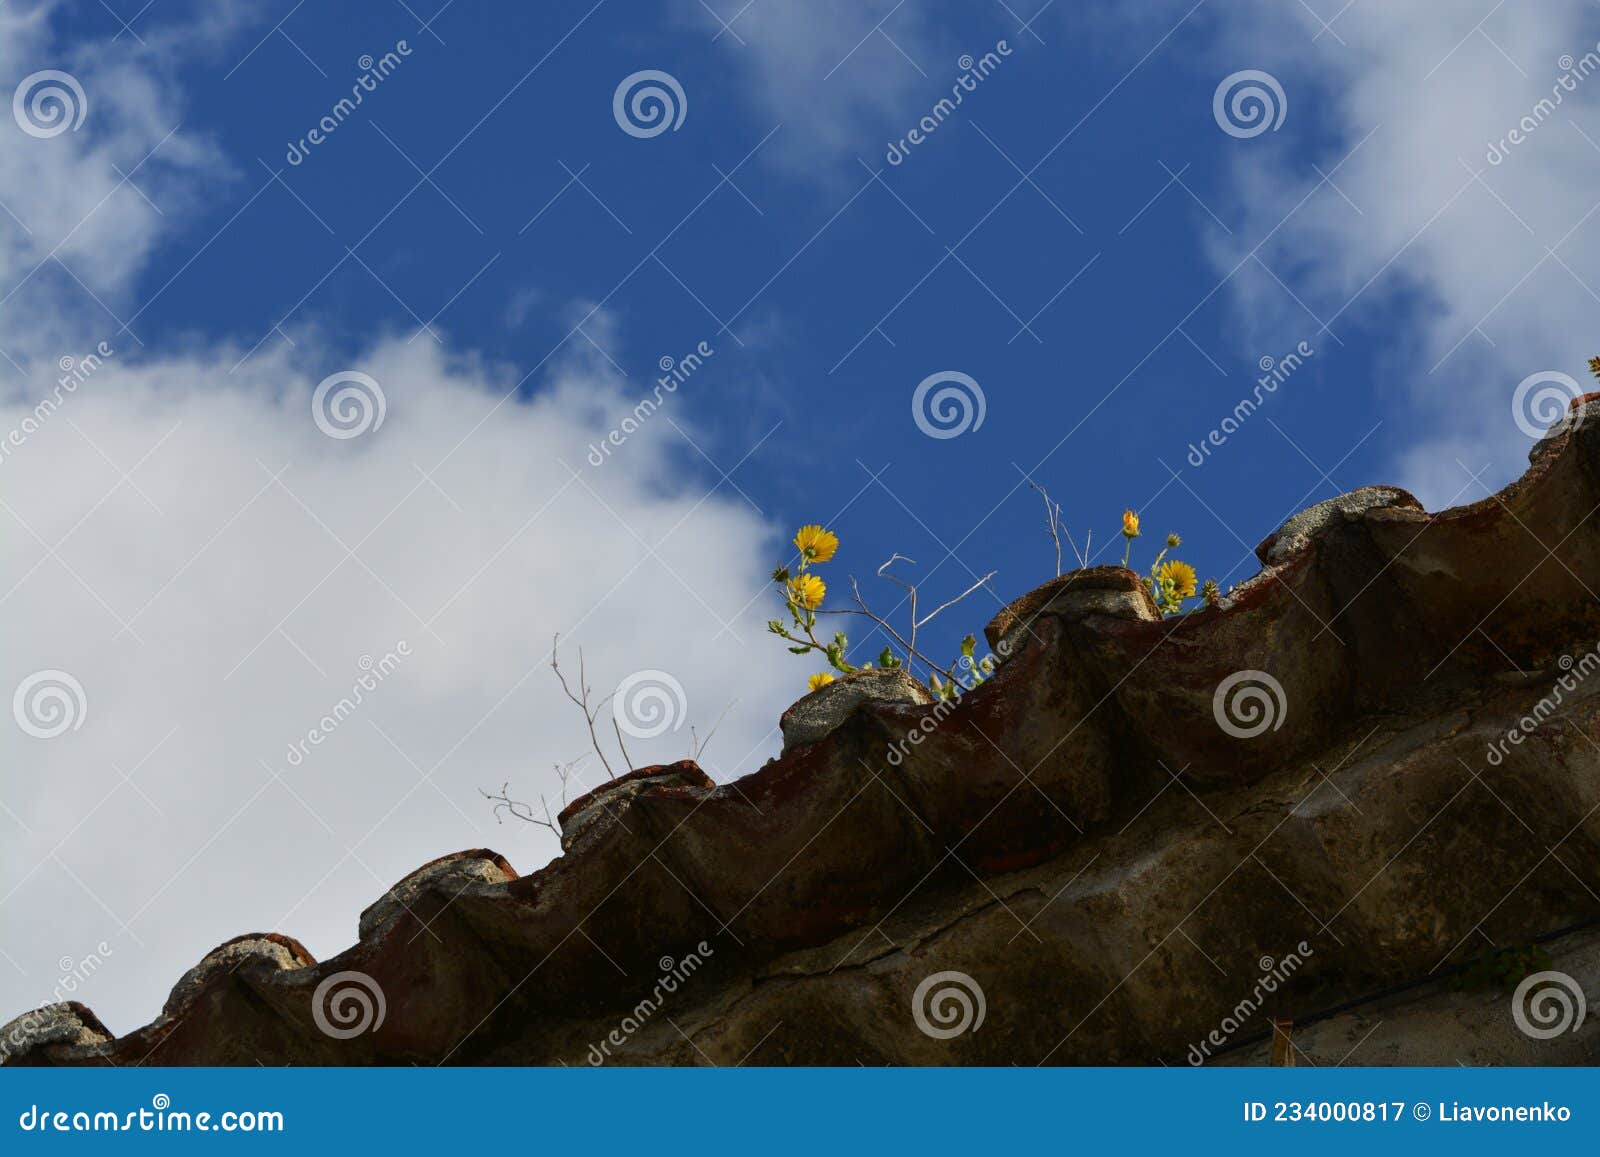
1489 249
220 576
839 75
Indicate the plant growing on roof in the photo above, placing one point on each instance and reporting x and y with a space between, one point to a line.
1056 527
803 595
1171 583
943 682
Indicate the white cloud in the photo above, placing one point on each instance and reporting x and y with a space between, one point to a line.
182 597
84 209
1468 260
212 568
839 75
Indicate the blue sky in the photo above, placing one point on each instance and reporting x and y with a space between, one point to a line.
1082 238
829 282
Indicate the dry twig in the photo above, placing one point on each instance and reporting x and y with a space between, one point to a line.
910 645
524 811
582 703
1056 528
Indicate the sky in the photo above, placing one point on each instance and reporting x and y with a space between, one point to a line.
300 393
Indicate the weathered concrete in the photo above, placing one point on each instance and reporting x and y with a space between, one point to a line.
1102 843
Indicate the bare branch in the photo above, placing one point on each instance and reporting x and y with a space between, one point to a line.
911 652
916 622
910 587
524 811
698 747
1052 521
582 703
928 618
1057 527
617 727
910 644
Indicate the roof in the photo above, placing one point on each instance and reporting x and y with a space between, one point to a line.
1110 839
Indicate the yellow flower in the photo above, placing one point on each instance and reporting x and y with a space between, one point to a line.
816 544
807 591
1180 575
820 679
1130 524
